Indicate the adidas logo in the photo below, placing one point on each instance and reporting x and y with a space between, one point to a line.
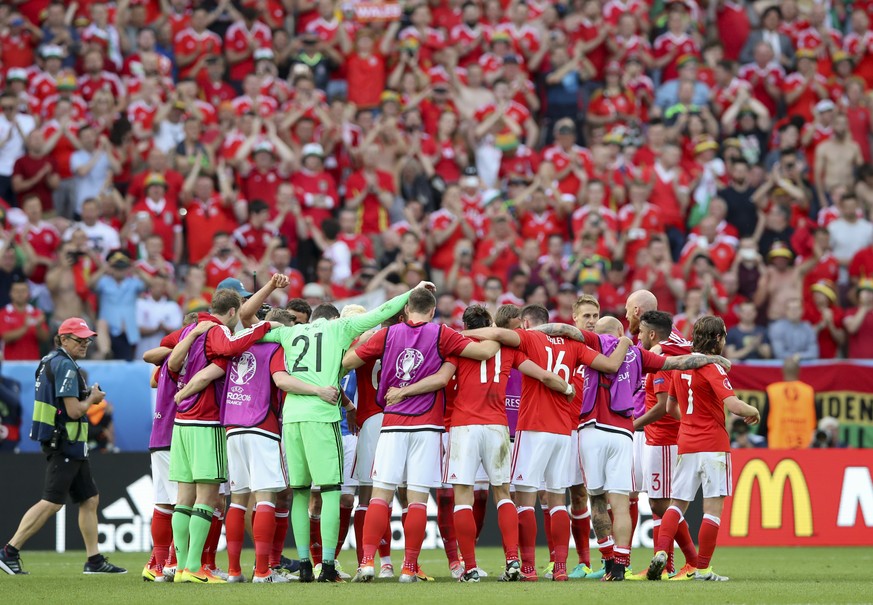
519 478
454 476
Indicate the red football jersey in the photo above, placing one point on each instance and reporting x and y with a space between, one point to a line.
701 394
480 387
542 409
666 430
368 384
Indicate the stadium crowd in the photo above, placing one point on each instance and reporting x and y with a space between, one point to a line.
716 153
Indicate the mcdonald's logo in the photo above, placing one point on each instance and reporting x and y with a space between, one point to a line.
772 486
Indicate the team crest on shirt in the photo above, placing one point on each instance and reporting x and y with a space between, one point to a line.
727 384
243 369
407 364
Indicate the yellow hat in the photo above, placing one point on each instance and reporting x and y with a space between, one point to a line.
826 287
805 53
155 178
706 144
780 250
865 284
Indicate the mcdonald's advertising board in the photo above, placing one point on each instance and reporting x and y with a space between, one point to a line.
800 497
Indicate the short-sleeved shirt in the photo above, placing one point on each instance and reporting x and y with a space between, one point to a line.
314 354
480 387
666 430
25 348
701 394
450 344
542 409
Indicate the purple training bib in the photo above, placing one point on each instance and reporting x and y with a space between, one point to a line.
247 387
411 353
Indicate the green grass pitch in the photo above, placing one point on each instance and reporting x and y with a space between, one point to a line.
760 575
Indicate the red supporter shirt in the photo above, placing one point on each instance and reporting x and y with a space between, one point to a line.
372 216
189 42
450 343
221 344
444 254
666 430
368 383
165 220
218 270
366 79
253 242
25 348
480 387
175 182
237 40
543 409
202 221
44 239
504 261
701 394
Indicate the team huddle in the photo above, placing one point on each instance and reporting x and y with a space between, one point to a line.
294 414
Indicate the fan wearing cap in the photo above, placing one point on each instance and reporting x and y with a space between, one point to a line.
821 309
164 214
315 187
18 41
44 84
858 322
269 165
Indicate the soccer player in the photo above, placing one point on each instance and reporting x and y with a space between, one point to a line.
480 436
698 399
605 433
313 447
198 455
409 442
546 421
662 432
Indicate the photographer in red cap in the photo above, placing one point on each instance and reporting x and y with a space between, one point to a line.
60 424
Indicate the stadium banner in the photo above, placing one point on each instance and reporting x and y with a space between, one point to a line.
816 497
126 385
377 12
843 389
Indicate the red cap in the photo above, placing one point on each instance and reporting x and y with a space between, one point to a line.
77 327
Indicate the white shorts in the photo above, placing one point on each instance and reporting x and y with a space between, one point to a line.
638 477
659 464
476 446
165 491
350 445
541 457
607 460
254 464
710 470
413 458
577 477
365 451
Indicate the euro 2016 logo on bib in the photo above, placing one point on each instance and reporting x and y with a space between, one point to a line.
243 370
407 363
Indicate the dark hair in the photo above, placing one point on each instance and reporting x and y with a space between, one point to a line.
325 311
660 321
220 234
506 313
190 318
476 316
493 278
281 315
225 300
536 314
421 301
707 333
395 319
257 206
515 273
300 306
330 227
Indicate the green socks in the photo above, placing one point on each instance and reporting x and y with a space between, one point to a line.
330 522
181 520
300 522
201 521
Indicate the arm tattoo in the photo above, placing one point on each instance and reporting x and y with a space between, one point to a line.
689 362
561 330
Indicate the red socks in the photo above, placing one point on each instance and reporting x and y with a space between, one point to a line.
360 515
345 519
162 535
279 536
547 527
377 519
263 530
385 542
413 529
315 539
507 521
580 526
465 525
480 507
236 530
560 537
707 538
527 538
171 559
445 522
669 527
605 546
621 555
683 539
211 546
634 515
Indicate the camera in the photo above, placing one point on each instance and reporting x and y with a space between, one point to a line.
262 312
74 257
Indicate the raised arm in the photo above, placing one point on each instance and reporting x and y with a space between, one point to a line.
367 321
432 383
201 380
505 337
552 381
248 312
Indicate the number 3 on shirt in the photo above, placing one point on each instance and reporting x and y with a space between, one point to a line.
483 369
558 368
687 378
